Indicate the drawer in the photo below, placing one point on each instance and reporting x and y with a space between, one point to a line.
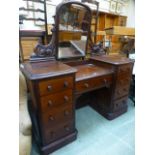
123 81
102 81
85 85
125 69
120 103
55 99
56 133
57 115
121 91
54 85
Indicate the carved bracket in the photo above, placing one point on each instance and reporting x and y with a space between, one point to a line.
43 51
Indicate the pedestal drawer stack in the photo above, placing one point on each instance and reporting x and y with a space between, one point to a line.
121 86
56 107
52 107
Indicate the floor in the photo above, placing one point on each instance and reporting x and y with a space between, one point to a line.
99 136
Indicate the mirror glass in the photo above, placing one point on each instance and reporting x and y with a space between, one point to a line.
74 25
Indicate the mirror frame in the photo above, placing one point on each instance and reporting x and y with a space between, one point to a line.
57 25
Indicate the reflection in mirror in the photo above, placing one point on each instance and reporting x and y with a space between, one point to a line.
74 23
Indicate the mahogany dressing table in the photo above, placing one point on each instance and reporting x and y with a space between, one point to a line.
59 86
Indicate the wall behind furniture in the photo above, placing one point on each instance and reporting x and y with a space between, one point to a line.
130 13
128 9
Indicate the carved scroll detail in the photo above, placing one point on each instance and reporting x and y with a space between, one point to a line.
43 51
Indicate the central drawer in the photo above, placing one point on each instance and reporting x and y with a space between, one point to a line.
49 86
85 85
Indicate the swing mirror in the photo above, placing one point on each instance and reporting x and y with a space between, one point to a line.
73 20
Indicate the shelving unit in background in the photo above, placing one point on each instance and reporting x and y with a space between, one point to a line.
107 20
29 38
27 41
119 31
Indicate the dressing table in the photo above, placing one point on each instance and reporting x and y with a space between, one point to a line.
68 80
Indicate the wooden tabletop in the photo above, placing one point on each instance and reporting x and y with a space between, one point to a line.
40 70
88 71
112 59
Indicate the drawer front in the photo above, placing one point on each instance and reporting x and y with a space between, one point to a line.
57 116
56 133
85 85
82 86
123 81
54 85
122 86
102 81
121 91
118 104
124 69
55 99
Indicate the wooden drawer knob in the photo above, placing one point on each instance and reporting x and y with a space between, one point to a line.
66 113
67 128
49 88
66 84
66 98
86 85
51 118
50 103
